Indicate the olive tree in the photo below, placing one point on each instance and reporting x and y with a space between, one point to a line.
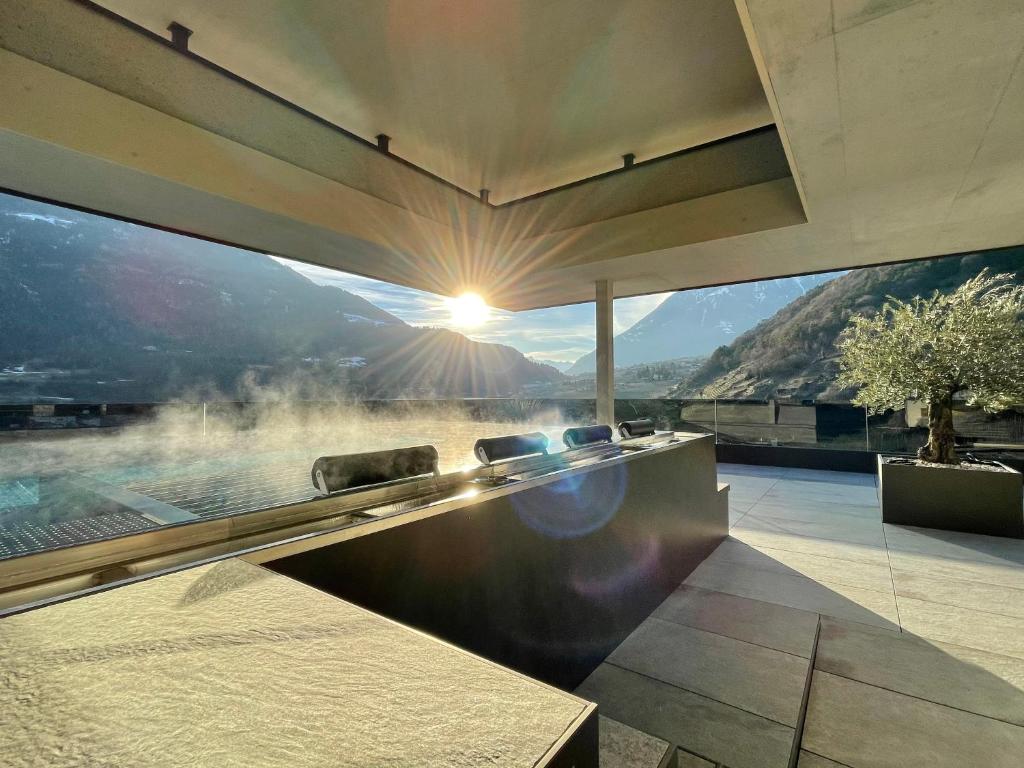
969 342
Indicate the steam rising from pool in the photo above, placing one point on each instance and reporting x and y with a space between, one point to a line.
282 428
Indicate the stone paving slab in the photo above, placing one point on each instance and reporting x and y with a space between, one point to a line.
876 576
975 681
993 550
754 621
776 506
750 470
962 626
864 726
839 550
822 526
942 568
621 746
751 677
920 655
827 477
686 760
811 760
975 595
829 598
850 495
735 515
696 723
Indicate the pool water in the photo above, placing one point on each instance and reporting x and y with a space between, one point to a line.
75 488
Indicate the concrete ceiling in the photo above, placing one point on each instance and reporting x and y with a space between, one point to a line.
904 121
896 133
515 97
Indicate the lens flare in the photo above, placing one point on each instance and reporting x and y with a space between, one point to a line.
468 310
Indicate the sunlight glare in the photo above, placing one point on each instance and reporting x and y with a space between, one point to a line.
468 310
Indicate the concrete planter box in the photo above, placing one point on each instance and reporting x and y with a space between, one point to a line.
952 499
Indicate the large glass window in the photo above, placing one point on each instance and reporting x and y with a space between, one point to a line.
758 363
150 379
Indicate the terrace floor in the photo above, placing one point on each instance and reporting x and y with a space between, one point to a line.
817 635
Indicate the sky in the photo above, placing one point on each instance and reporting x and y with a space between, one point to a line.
556 334
559 334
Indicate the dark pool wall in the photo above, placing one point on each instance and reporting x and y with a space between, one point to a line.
547 580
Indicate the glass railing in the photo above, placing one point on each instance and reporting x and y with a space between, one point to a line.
827 425
74 473
71 474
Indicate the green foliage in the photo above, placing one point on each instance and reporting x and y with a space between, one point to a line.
969 341
763 357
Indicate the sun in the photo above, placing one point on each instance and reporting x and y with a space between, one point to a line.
468 310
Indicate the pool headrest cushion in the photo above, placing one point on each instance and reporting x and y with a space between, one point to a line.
577 437
491 449
636 428
358 469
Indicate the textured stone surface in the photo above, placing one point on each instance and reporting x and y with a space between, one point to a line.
811 760
946 690
625 747
853 574
827 597
868 727
963 626
963 593
758 679
773 626
940 682
795 542
696 723
821 525
686 760
231 665
965 678
1006 575
952 545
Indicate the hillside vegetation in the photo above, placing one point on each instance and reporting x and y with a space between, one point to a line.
93 309
694 323
793 354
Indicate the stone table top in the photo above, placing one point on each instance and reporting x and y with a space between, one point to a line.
232 665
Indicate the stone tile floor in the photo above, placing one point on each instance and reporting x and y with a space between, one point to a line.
816 635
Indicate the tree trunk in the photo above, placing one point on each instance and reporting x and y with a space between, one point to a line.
941 448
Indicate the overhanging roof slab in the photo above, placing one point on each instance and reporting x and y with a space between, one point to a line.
899 122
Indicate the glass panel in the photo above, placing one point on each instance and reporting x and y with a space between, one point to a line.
774 422
997 436
151 379
142 467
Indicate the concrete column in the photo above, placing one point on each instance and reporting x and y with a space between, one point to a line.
605 354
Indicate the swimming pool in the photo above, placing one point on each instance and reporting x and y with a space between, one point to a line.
89 485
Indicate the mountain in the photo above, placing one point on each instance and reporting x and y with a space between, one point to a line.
695 323
93 309
793 354
560 365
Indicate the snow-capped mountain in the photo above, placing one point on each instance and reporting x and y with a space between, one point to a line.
695 323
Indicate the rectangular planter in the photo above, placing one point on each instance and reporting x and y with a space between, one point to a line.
952 499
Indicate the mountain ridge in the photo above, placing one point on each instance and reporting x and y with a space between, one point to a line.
793 354
694 323
94 309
